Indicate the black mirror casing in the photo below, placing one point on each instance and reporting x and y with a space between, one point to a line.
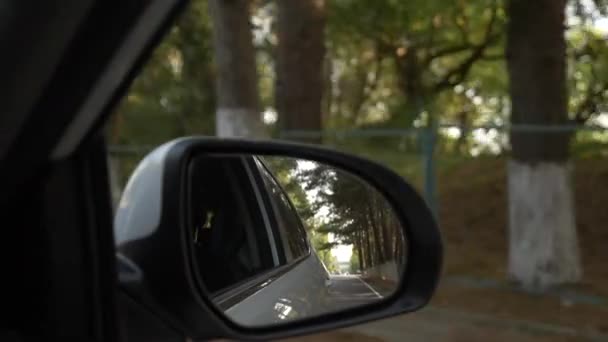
156 260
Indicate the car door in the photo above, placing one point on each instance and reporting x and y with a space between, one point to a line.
251 248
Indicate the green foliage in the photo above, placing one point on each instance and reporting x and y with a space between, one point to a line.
318 240
285 170
335 202
588 73
355 265
174 94
354 213
288 174
390 64
393 59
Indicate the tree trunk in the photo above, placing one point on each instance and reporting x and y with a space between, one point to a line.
377 243
460 146
358 246
299 66
238 106
195 41
387 237
410 82
368 249
381 229
328 96
543 248
399 244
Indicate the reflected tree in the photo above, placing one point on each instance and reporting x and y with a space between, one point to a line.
341 209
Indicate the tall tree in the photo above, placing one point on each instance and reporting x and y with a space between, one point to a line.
421 50
299 65
238 104
174 95
543 247
197 98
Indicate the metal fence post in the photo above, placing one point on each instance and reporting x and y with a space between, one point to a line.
428 142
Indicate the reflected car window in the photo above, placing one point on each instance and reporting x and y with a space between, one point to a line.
229 245
293 234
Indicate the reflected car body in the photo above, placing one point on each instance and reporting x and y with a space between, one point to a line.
298 293
290 282
294 285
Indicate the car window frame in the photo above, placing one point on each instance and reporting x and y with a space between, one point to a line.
263 168
266 202
242 199
243 290
243 196
233 294
266 212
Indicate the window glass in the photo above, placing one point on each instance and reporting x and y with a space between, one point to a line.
289 224
229 246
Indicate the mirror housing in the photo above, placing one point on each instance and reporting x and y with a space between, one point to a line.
155 252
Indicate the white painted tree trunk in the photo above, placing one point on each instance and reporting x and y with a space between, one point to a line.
239 122
238 105
543 245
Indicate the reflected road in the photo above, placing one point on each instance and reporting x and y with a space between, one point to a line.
350 290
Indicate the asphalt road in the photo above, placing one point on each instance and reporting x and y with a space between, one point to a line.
350 290
438 324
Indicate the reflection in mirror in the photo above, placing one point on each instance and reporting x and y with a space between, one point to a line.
279 239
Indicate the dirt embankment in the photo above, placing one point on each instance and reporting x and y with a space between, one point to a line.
473 219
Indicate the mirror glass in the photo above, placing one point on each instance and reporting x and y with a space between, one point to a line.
278 239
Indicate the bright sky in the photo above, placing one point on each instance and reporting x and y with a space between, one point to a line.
341 252
602 25
599 22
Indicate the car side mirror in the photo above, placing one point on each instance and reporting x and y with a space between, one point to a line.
261 240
